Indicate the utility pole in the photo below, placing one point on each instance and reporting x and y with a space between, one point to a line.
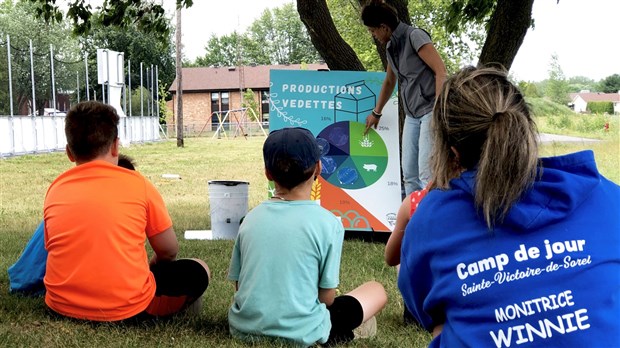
240 67
179 62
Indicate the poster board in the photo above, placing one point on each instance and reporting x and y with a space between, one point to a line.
360 180
111 74
110 67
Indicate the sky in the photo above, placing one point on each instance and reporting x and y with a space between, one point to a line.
207 17
584 34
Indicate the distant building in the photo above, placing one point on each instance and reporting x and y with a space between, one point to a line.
580 100
63 104
210 91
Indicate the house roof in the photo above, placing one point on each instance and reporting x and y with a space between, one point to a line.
227 78
597 97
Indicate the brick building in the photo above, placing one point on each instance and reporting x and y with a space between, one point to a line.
209 93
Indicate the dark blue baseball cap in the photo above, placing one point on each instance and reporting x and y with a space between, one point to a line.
296 145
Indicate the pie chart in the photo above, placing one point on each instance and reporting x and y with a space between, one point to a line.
350 159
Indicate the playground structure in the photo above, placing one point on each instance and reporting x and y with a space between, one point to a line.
241 119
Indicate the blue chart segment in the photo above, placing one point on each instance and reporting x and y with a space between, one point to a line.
350 159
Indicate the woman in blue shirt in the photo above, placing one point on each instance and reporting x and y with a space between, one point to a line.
507 248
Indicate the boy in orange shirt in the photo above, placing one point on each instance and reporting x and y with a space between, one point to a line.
97 218
26 274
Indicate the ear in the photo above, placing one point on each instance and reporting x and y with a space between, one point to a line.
268 175
69 154
317 169
115 148
387 29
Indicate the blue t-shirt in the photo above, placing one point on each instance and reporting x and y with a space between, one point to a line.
26 274
285 252
548 276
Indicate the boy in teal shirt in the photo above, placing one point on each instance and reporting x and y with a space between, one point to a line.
286 258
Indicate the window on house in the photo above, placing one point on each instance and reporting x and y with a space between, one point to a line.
215 108
225 101
220 104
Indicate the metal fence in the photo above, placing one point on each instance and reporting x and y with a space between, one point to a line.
37 88
38 134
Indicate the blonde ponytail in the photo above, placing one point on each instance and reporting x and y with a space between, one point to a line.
484 117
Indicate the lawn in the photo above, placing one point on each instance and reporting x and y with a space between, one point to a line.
25 322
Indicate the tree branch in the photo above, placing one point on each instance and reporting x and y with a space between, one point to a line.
325 37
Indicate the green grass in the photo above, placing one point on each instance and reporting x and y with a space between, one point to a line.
542 107
606 153
25 322
24 180
559 119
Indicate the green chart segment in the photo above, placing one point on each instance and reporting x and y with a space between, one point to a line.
350 159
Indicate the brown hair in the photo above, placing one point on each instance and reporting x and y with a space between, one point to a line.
377 12
289 174
126 162
485 118
91 128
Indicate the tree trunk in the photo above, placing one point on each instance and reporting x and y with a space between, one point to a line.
326 39
179 94
507 28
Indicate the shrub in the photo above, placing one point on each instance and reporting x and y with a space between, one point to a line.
592 123
561 122
601 107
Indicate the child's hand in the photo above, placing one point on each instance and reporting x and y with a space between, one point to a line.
153 260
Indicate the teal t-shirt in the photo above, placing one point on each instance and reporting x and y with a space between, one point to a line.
285 252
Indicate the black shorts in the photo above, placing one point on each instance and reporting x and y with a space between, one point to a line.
178 284
346 313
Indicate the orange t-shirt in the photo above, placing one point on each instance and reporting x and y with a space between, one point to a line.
97 219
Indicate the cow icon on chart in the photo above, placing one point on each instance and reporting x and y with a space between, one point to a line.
370 167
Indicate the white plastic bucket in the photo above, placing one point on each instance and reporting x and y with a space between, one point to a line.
229 204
